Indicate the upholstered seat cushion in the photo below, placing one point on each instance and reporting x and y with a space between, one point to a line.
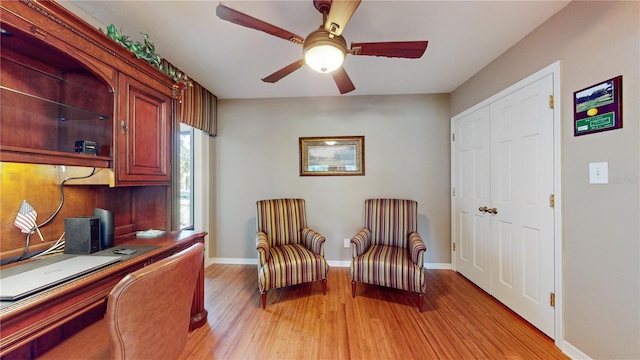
291 264
388 266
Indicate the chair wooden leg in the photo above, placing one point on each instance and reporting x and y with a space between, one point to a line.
421 302
324 287
264 300
353 289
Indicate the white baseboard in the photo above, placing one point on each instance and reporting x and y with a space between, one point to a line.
234 261
334 263
438 266
341 264
573 352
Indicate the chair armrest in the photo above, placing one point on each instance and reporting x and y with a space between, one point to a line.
417 249
262 245
313 241
361 242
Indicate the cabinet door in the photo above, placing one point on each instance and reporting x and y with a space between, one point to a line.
143 135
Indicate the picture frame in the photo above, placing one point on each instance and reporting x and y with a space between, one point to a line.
598 107
332 156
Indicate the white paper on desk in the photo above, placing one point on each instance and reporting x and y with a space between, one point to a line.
151 233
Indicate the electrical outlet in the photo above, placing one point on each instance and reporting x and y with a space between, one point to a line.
347 243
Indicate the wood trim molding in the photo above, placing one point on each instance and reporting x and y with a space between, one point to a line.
90 34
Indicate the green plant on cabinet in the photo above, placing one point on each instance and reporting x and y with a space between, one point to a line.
146 51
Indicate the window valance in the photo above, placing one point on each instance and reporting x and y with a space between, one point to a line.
199 109
198 106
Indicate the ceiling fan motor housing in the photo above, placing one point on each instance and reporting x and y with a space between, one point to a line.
322 5
323 39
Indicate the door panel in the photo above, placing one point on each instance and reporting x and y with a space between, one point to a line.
505 255
531 267
522 181
472 233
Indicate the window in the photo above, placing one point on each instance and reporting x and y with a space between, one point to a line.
186 177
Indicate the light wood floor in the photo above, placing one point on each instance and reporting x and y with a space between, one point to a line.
460 321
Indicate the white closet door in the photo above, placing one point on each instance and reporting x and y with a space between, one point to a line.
472 231
522 231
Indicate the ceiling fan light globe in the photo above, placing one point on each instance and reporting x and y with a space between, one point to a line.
324 58
324 52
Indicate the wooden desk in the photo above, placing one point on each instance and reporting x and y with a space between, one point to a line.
27 320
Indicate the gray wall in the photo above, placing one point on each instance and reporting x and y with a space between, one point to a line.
595 41
406 155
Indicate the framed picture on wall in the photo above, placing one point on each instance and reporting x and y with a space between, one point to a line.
598 107
332 156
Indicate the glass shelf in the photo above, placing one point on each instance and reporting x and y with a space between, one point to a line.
58 95
60 111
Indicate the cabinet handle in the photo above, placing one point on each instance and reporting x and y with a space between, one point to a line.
123 127
492 211
483 208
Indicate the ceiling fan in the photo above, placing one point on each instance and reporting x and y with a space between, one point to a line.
324 49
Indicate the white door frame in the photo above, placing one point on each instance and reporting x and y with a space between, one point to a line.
555 70
202 186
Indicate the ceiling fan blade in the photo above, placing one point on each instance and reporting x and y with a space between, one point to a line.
339 15
284 71
236 17
397 49
342 80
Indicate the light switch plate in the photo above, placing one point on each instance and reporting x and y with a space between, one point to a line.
599 173
347 243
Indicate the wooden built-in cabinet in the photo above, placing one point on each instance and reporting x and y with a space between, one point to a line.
61 81
143 133
64 81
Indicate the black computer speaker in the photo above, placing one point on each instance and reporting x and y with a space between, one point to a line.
107 227
82 235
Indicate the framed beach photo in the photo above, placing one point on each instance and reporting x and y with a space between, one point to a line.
332 156
598 107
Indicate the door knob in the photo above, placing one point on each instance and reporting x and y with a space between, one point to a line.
483 208
492 211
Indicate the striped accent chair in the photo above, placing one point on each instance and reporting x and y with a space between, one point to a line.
289 253
388 251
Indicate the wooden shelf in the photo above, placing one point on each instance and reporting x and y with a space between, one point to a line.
36 156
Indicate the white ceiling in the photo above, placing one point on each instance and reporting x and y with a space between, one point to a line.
230 60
